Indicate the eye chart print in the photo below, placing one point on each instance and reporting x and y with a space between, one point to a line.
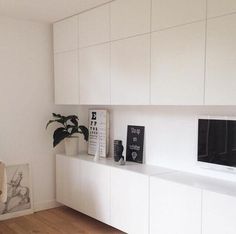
98 132
134 146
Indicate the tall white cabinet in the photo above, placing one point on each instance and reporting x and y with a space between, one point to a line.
130 63
65 35
220 8
94 26
66 78
171 13
94 74
153 53
94 56
221 61
130 18
177 65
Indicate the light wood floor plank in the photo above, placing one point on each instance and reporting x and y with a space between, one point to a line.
61 220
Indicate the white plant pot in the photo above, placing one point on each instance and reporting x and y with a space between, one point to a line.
71 146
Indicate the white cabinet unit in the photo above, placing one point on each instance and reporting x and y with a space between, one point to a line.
95 190
66 78
129 17
177 65
219 7
83 186
221 61
129 201
95 74
169 13
142 199
174 208
94 26
65 35
219 212
68 182
130 66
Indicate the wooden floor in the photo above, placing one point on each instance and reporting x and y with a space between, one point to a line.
62 220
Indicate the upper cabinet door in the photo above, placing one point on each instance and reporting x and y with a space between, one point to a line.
221 61
220 7
65 35
169 13
94 26
66 78
129 17
95 74
130 71
177 76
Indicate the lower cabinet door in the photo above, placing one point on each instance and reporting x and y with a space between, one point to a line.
174 208
219 213
129 201
95 190
68 181
83 186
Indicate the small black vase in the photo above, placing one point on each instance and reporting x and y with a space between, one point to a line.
118 150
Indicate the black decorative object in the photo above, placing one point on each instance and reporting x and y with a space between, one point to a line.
118 150
135 139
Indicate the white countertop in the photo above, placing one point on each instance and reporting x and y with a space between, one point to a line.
130 166
201 182
184 178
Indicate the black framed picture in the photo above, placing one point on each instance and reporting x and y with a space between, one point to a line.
134 146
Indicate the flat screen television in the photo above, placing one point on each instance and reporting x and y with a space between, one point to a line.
217 142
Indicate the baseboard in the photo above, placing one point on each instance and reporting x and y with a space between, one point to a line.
46 205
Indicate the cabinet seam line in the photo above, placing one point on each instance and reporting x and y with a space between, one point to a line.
205 56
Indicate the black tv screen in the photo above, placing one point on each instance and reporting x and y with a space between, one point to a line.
217 141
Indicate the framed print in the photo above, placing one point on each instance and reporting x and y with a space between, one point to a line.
19 192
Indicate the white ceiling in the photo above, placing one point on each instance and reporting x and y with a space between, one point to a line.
45 10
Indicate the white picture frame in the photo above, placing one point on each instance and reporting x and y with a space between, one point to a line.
19 192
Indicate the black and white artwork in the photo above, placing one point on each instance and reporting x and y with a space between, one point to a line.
135 140
18 190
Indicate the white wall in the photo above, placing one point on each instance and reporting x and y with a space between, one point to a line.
171 134
26 102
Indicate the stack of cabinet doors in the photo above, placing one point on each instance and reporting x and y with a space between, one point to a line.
147 199
155 52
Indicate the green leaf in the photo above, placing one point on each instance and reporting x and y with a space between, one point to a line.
57 115
55 120
59 135
69 117
49 122
84 131
75 121
74 130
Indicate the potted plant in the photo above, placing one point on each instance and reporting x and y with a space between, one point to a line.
68 132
